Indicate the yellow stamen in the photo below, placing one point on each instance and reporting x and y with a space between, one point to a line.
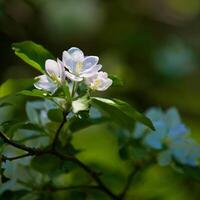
79 67
95 84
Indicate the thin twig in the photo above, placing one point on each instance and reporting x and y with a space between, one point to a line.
94 175
11 142
59 130
4 158
129 181
34 151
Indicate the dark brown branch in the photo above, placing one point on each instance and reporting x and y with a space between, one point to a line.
32 151
94 175
129 181
59 130
4 158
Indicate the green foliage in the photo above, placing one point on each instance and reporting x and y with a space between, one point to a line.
32 53
117 82
77 123
45 163
12 86
33 93
121 112
55 115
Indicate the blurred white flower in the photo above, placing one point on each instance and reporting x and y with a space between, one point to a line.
55 76
99 81
78 65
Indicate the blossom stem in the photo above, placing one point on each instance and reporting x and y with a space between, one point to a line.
74 88
59 130
130 178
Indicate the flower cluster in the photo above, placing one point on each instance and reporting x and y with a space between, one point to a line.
171 138
76 67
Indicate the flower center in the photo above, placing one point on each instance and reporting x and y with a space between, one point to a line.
95 84
79 67
55 79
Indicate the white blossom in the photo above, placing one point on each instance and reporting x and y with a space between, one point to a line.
99 81
54 77
79 66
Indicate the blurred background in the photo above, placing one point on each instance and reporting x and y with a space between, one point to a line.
152 45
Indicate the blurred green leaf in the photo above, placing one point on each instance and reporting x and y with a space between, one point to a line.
24 125
45 163
55 115
76 123
66 91
33 93
5 104
121 112
32 53
117 82
12 86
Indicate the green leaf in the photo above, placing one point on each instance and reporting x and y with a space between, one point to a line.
33 93
25 126
121 112
66 91
5 104
45 163
32 53
117 82
76 123
55 115
12 86
81 104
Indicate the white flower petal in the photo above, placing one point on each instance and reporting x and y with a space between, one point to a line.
61 70
68 61
103 75
105 85
73 77
89 62
51 67
76 54
45 83
92 71
99 81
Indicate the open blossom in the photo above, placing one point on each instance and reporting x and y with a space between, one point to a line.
78 65
171 138
55 76
99 81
